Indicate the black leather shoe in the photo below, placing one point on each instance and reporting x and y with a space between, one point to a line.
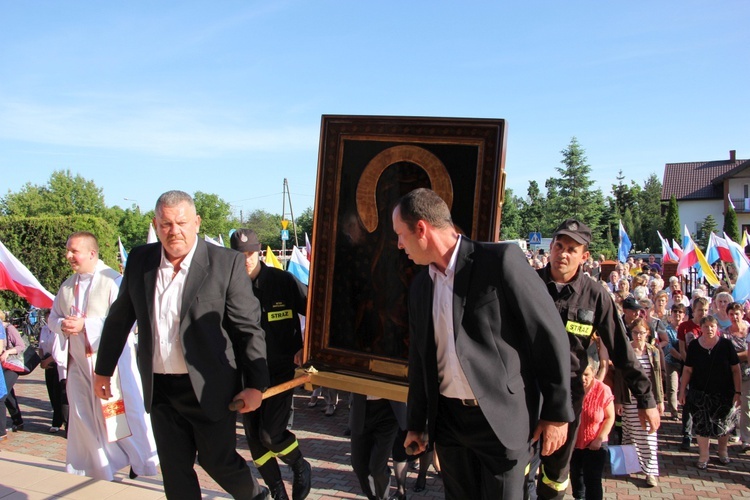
302 479
264 493
278 491
685 446
132 474
419 485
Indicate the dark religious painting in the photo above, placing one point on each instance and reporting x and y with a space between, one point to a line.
358 316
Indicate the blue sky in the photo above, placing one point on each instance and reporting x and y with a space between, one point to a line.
227 97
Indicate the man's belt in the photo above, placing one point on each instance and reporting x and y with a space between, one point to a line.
464 402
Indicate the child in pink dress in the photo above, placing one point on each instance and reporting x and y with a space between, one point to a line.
597 419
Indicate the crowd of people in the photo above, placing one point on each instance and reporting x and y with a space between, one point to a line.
519 375
695 352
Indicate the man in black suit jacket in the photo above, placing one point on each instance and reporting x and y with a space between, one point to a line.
199 339
489 363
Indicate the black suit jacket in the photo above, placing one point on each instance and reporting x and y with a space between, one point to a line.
219 325
509 341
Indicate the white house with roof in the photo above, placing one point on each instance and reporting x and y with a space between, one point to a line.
705 187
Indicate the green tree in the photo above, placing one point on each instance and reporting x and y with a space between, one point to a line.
672 230
650 209
216 215
64 194
731 227
267 226
576 198
629 225
510 227
707 227
305 225
532 210
132 225
625 196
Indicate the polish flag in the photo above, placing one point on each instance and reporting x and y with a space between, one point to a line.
693 257
718 249
666 250
15 277
308 247
676 249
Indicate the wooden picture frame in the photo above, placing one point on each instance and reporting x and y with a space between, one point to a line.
357 321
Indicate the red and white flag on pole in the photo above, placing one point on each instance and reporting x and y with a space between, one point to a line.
15 277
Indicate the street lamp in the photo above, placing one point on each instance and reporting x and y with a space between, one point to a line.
137 206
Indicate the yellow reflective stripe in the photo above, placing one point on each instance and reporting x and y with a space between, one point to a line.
288 449
528 469
265 458
279 315
553 484
579 329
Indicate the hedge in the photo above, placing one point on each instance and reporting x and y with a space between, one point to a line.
39 243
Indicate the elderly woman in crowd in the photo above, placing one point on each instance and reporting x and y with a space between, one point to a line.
655 286
13 345
640 280
737 334
660 310
711 383
623 286
678 297
646 444
719 309
640 293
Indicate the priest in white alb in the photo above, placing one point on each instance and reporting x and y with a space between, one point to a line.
103 436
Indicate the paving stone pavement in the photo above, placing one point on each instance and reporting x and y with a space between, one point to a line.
323 443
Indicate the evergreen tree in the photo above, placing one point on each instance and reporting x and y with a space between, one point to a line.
624 195
650 209
575 196
629 225
707 227
510 227
532 210
731 227
672 230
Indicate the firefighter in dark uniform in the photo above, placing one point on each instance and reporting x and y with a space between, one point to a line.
586 309
282 298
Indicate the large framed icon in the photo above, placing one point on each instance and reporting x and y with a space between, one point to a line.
357 321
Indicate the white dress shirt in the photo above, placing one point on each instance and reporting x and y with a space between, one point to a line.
169 356
453 382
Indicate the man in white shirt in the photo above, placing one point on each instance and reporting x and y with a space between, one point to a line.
485 344
200 345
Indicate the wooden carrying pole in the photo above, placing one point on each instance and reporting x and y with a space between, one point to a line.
238 404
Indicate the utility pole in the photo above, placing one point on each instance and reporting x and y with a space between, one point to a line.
285 222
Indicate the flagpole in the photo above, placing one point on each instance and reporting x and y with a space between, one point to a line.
726 275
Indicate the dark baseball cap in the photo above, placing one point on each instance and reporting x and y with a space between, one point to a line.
244 240
631 303
576 229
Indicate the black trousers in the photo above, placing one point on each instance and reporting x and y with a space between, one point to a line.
473 462
372 447
267 434
182 430
55 393
586 470
11 403
553 477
